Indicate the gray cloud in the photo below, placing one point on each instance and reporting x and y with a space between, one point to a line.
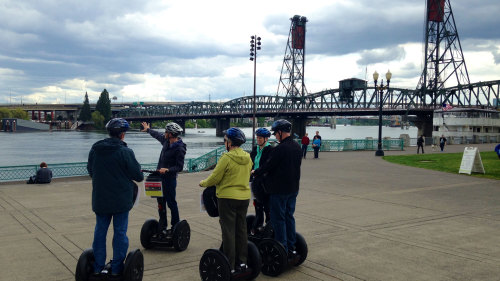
385 55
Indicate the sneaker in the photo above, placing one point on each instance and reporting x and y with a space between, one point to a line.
167 232
292 255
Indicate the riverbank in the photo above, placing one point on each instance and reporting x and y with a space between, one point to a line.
362 217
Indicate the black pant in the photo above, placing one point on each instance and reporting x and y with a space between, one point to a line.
420 146
316 151
304 150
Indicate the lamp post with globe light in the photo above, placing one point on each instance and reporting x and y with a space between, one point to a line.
380 90
254 47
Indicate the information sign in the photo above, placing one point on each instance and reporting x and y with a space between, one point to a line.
471 161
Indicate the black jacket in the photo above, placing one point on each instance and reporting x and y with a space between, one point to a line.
264 157
281 173
112 166
171 156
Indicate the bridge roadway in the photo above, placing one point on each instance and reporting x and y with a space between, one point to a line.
362 217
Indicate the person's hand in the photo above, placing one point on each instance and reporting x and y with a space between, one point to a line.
253 171
145 126
163 170
200 184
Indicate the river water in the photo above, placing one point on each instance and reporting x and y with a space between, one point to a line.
73 146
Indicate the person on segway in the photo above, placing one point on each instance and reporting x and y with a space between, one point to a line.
230 177
113 167
260 155
282 184
170 163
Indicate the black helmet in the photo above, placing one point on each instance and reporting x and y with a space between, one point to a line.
173 128
263 132
116 126
236 136
281 125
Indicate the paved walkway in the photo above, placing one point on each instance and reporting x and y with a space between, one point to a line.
362 217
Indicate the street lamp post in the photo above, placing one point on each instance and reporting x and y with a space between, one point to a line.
254 46
380 90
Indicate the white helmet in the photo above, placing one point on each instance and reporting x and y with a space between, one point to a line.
173 128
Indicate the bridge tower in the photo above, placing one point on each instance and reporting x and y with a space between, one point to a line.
444 60
291 82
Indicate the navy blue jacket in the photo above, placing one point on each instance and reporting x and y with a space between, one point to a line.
112 166
171 156
281 173
43 175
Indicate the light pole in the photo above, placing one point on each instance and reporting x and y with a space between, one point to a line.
380 90
254 46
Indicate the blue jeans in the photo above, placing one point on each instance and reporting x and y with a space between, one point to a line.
282 208
120 241
169 185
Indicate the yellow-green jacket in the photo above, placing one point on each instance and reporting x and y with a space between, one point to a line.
231 175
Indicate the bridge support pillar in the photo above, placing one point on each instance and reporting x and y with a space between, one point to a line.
221 125
424 126
299 126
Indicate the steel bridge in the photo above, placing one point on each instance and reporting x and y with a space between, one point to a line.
334 102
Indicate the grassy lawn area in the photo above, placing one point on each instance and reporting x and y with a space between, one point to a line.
449 162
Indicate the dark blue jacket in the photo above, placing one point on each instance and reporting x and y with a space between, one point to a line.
43 175
171 156
112 166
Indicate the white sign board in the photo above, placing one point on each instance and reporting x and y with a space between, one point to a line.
471 161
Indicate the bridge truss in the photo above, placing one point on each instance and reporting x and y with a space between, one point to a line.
364 101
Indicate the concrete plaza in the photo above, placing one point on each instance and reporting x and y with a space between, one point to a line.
362 217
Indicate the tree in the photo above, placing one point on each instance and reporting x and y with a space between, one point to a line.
104 105
98 120
19 113
85 114
5 113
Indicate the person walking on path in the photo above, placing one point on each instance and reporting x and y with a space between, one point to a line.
260 155
305 144
230 177
316 145
170 163
282 183
442 142
113 167
497 150
420 144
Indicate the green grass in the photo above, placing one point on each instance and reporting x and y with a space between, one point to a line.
449 162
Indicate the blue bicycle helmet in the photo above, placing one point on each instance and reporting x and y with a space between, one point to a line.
116 126
281 125
263 132
236 136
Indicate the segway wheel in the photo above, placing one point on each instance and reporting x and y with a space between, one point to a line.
214 266
181 235
149 228
85 265
254 260
274 257
301 248
134 266
250 220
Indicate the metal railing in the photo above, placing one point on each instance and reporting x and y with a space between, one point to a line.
204 162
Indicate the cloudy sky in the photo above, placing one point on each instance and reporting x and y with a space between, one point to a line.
192 50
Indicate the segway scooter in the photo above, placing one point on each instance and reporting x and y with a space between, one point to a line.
275 259
151 235
133 271
214 265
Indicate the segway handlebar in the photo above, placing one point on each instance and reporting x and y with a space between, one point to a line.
149 171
